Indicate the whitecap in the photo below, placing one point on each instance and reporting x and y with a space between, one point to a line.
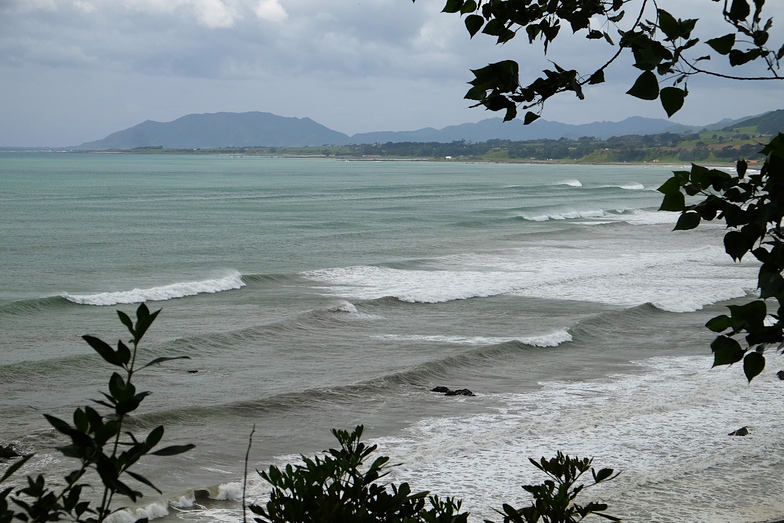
570 183
166 292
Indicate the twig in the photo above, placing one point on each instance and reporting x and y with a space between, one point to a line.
245 475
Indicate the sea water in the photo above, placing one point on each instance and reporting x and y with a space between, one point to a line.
312 294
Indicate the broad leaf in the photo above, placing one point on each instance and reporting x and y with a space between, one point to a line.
753 364
739 10
726 351
674 201
530 117
722 44
646 87
672 99
474 23
687 220
719 323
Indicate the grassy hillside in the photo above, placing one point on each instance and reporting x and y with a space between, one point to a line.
742 140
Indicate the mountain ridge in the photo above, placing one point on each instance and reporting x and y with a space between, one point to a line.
263 129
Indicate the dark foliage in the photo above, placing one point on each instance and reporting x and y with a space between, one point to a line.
98 442
752 207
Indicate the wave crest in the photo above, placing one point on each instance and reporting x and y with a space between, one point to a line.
166 292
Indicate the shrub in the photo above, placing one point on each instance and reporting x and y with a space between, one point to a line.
98 442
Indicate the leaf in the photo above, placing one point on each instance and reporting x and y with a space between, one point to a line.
740 58
530 117
646 87
668 25
123 353
468 7
452 6
602 475
474 23
59 425
719 323
126 321
597 77
672 99
174 450
142 479
750 316
154 437
726 351
162 359
687 220
739 10
753 364
103 349
736 244
674 201
16 466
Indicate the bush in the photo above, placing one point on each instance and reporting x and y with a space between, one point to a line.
98 442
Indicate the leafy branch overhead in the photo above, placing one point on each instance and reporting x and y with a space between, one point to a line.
663 48
752 206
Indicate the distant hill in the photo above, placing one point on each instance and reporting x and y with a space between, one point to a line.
768 123
496 128
256 129
196 131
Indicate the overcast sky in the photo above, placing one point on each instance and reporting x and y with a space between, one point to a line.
72 71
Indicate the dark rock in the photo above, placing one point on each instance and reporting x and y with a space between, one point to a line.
440 389
8 452
460 392
743 431
780 374
192 371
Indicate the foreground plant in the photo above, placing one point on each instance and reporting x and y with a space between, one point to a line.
99 443
554 500
341 487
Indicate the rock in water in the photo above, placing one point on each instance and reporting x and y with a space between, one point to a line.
743 431
460 392
8 452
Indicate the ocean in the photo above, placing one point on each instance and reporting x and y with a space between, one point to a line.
313 294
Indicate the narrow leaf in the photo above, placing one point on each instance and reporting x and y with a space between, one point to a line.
174 450
16 466
162 359
104 350
142 479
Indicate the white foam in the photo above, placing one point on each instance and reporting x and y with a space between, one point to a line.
570 183
680 279
167 292
231 491
347 307
547 340
569 215
631 186
131 515
665 428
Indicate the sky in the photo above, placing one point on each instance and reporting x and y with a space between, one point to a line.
73 71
